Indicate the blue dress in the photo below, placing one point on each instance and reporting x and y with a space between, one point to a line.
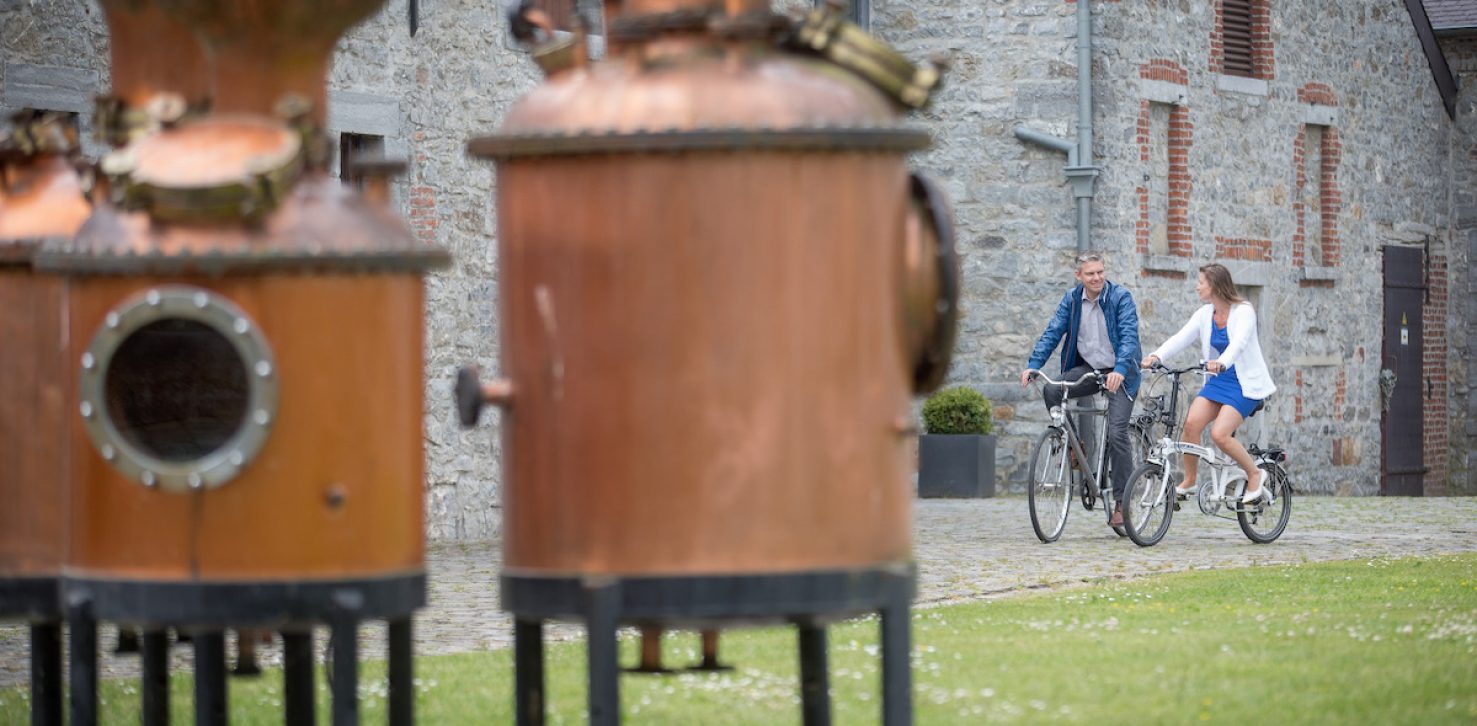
1225 387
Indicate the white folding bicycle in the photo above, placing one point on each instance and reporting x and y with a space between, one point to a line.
1149 497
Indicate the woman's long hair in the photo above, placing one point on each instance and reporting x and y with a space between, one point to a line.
1220 282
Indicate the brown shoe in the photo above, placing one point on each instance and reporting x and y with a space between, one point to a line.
1117 519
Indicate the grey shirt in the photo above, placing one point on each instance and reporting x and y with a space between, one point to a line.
1092 335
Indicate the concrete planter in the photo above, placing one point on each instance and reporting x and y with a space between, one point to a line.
956 466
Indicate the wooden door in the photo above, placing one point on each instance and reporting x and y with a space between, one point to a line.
1402 422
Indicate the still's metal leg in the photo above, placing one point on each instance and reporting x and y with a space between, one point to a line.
402 685
651 651
815 687
897 675
127 641
710 654
46 674
154 649
210 677
246 660
528 672
601 616
83 631
297 678
345 672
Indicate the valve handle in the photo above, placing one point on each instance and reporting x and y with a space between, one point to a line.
472 394
468 392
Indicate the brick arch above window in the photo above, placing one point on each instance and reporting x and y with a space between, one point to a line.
1317 93
1163 69
1241 41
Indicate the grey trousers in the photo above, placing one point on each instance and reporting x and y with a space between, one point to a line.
1120 409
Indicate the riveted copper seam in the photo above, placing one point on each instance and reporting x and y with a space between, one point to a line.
884 139
60 258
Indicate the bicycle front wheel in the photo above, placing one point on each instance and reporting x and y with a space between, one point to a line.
1148 504
1265 521
1050 487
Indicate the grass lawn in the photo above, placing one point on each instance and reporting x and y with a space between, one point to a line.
1368 641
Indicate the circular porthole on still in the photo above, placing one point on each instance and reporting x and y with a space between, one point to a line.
178 389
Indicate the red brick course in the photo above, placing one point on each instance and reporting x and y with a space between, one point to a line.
1317 93
422 200
1163 69
1256 250
1297 399
1433 361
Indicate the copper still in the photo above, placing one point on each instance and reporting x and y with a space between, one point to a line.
41 199
247 332
719 289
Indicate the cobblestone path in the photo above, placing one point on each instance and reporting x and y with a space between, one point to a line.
965 550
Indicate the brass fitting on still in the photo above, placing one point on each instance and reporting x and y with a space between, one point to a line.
826 32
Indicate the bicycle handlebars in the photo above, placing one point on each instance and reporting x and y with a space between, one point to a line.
1088 376
1159 366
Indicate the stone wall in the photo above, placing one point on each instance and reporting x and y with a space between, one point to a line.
1224 170
1195 166
1461 53
53 55
454 80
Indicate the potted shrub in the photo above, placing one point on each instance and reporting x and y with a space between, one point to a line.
956 453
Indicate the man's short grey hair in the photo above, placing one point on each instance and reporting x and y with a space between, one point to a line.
1083 258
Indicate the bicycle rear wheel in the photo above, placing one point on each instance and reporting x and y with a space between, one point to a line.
1148 504
1050 487
1265 521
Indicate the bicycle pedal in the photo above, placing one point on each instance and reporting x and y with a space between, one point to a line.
1176 505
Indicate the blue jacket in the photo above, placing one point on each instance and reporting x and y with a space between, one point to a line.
1122 316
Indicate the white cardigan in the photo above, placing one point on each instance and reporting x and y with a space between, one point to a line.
1244 351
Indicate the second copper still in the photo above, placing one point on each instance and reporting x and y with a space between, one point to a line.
247 360
719 289
41 201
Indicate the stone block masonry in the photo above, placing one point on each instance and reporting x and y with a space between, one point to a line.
1462 344
1352 69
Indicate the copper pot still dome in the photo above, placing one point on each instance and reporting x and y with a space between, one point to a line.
719 289
246 444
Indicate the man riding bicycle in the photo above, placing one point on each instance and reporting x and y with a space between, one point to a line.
1101 325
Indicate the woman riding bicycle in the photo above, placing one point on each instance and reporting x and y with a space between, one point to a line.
1226 328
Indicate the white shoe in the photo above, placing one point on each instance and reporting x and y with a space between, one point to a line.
1262 492
1187 491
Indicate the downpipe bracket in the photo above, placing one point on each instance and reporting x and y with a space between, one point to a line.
1083 179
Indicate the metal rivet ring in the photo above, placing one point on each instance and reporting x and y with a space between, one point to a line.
135 460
